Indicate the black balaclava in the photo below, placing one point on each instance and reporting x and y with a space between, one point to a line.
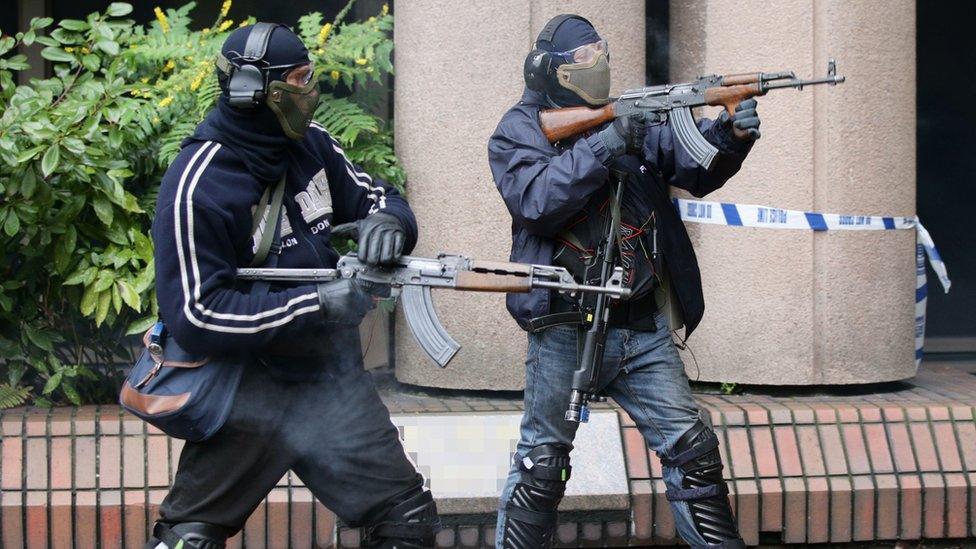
571 34
254 135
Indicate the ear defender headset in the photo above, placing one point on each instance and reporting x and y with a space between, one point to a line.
538 68
248 83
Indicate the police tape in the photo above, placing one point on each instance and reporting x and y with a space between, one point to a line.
751 215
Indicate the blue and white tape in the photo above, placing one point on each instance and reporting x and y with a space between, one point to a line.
751 215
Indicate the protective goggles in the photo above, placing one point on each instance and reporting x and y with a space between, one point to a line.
585 53
300 75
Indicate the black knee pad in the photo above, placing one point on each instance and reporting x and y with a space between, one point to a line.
530 515
703 488
409 523
192 535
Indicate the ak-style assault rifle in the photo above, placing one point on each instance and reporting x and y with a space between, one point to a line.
413 277
675 101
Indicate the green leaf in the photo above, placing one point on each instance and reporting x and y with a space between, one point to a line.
88 301
28 184
47 41
39 338
105 281
12 225
52 53
129 295
52 383
38 23
74 25
119 9
50 161
141 325
30 153
91 62
116 299
103 209
101 310
79 276
110 47
69 391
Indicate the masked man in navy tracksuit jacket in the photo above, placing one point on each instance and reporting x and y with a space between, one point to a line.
558 197
305 403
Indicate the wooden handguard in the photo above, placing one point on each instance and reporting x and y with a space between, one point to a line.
741 78
558 124
730 96
484 282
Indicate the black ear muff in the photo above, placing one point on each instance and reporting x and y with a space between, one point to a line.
246 89
248 83
538 68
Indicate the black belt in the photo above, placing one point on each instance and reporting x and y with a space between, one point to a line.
637 314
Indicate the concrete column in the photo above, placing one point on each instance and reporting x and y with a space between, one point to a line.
797 307
458 69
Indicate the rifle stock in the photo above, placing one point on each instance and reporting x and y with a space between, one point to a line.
558 124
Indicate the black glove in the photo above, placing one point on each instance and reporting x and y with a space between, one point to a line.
626 134
381 238
344 301
746 121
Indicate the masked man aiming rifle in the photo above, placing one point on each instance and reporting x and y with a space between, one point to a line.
560 198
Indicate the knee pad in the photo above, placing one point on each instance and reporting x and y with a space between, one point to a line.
530 515
188 535
702 486
410 523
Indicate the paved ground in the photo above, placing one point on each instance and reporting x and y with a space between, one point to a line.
810 466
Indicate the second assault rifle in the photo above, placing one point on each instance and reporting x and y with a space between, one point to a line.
413 277
675 101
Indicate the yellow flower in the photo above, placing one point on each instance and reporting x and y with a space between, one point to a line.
386 9
369 69
225 25
319 51
196 83
69 49
362 61
161 17
324 33
144 80
371 20
334 75
85 51
225 8
155 120
244 23
166 101
170 65
205 31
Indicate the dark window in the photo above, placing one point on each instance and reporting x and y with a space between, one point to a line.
657 26
946 164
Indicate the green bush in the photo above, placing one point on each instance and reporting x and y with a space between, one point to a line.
81 156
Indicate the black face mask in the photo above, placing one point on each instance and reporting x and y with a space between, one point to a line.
254 136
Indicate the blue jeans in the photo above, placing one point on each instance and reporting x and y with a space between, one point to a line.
642 372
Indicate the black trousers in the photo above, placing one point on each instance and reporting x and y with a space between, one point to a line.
334 432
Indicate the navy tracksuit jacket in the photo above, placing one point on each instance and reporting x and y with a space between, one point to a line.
203 232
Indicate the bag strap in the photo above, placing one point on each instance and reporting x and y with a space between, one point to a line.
270 234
